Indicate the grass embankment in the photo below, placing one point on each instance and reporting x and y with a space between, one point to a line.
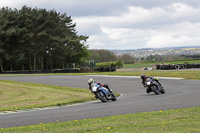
173 121
18 95
149 64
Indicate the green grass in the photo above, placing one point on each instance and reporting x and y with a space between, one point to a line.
149 64
173 121
18 95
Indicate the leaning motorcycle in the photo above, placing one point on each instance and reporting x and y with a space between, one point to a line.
152 85
103 93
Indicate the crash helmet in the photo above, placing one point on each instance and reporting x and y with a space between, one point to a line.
143 76
90 81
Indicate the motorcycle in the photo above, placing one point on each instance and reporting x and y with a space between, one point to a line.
154 86
103 93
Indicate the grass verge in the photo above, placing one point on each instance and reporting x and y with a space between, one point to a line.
173 121
19 95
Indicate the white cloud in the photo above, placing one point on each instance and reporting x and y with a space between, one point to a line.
181 34
176 24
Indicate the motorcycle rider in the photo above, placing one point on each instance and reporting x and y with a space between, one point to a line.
144 78
90 81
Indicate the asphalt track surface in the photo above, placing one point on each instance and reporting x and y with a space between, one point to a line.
134 99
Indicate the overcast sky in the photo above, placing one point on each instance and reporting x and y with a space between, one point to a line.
128 24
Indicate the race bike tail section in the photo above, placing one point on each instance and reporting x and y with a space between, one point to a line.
113 97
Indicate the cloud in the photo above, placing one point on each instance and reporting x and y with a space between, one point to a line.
181 34
176 24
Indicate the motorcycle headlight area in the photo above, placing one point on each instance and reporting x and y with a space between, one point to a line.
94 89
148 83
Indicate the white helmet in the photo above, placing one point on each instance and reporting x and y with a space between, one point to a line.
90 81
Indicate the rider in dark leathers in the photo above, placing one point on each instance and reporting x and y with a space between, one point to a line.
144 78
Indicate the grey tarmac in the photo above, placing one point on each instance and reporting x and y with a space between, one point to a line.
134 99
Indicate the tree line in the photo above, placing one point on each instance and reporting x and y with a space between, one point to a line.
103 55
37 39
171 57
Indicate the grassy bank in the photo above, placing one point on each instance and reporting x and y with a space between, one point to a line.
18 95
173 121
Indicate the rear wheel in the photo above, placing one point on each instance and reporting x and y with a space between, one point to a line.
102 96
113 96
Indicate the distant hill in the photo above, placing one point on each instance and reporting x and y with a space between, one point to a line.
144 52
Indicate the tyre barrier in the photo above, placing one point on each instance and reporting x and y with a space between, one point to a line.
105 69
177 66
42 71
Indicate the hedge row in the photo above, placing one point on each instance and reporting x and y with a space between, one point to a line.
117 64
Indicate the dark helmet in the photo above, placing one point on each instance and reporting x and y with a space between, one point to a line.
143 76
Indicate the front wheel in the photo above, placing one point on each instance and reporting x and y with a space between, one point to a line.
162 91
155 90
102 96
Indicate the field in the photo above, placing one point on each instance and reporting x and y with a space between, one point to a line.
149 64
173 121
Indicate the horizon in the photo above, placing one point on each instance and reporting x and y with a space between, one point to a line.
149 48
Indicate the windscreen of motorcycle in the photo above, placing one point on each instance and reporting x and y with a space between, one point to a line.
148 82
94 88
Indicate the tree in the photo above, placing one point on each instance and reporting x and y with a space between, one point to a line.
10 34
97 58
39 39
2 21
127 59
102 55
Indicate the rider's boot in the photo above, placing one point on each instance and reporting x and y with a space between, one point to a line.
96 97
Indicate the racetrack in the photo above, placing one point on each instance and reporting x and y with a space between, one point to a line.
134 99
